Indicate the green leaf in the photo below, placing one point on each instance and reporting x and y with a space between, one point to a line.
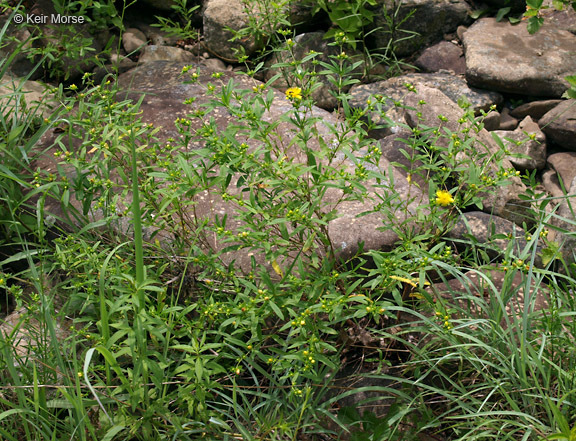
477 13
112 432
502 13
534 23
550 252
570 93
534 4
571 79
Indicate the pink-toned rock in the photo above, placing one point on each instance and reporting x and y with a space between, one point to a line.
442 56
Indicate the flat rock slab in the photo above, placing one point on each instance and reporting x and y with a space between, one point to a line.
505 57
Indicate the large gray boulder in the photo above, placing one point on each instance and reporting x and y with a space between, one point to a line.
506 58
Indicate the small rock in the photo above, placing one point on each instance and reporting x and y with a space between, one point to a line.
559 124
460 31
552 184
507 122
519 142
442 56
492 121
214 64
564 164
534 109
133 39
167 53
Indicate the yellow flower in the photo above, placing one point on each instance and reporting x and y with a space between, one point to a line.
444 198
294 94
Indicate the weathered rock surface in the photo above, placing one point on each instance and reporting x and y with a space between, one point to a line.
133 39
219 15
506 58
534 109
167 53
35 97
454 87
564 164
395 91
559 124
431 20
442 56
527 140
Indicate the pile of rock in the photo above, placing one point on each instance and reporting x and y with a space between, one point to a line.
486 61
